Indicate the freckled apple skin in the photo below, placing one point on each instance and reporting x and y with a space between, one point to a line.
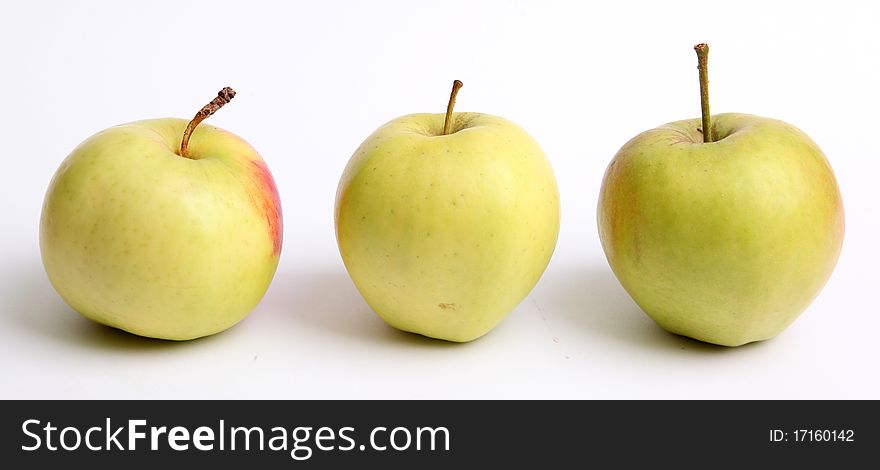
725 242
445 235
136 237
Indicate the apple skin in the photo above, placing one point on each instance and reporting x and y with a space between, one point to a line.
444 235
136 237
725 242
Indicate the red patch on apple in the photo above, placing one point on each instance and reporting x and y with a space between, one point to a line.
270 204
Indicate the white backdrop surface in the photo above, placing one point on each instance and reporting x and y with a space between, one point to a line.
315 78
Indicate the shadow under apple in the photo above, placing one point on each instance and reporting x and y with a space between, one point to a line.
34 306
589 298
325 298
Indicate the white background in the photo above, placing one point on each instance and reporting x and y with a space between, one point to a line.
315 78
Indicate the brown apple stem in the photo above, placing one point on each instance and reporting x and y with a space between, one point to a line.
223 97
456 85
703 66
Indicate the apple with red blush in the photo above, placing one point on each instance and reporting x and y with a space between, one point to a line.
164 228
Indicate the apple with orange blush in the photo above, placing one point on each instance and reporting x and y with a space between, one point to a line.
722 228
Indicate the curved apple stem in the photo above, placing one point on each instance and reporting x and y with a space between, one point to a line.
703 66
223 97
456 85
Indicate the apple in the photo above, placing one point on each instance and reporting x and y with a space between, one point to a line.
446 222
724 228
150 233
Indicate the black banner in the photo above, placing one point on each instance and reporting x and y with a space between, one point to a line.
435 434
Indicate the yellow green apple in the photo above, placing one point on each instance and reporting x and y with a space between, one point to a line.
163 228
723 228
446 222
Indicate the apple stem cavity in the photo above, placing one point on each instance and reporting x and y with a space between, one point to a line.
456 85
703 66
223 96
